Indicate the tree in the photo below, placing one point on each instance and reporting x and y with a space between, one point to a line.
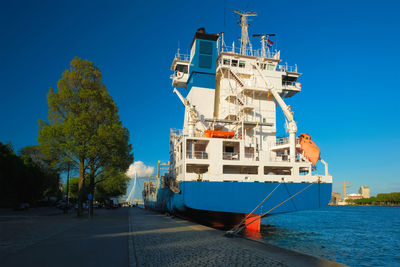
111 183
83 126
73 187
50 177
23 178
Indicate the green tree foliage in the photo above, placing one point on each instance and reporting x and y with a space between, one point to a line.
83 126
386 199
111 183
24 178
32 156
73 187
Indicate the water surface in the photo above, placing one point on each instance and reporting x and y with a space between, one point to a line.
355 236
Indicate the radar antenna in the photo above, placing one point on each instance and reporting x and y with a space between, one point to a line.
244 40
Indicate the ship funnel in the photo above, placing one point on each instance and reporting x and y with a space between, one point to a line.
201 30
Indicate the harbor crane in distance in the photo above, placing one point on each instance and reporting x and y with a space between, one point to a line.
345 185
162 166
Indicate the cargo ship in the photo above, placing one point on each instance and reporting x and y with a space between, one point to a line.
227 165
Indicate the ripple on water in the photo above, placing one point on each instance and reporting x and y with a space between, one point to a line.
356 236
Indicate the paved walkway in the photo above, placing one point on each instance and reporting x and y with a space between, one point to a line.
130 237
158 240
64 240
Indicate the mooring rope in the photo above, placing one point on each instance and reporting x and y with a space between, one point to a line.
248 215
263 215
240 228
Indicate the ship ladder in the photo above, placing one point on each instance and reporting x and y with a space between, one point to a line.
238 228
236 78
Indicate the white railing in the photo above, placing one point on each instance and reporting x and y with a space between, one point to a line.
281 158
255 53
230 156
176 132
282 141
197 155
291 85
184 57
288 68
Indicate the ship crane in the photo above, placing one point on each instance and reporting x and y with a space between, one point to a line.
193 117
292 126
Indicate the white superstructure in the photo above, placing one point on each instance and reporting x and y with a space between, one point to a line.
250 85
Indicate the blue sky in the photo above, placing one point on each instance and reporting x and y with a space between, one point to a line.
347 51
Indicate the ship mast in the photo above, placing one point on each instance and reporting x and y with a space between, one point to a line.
244 40
263 46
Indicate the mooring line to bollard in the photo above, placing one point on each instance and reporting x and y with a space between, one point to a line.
240 228
280 204
233 230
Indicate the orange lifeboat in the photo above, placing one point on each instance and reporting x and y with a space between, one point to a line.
219 134
308 148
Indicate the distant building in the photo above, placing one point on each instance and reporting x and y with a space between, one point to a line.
354 196
336 197
364 191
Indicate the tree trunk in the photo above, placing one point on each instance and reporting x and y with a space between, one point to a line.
81 190
91 186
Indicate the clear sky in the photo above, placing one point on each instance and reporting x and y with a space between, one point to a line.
348 52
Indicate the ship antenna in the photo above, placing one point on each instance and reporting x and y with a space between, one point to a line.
263 41
221 40
244 40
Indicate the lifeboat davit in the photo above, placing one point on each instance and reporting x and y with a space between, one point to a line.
308 148
218 134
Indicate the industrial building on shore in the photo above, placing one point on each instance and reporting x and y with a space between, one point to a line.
337 200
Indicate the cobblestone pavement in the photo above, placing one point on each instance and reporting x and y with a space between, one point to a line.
163 241
130 237
159 240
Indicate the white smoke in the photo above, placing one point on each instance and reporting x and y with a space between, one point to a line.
140 169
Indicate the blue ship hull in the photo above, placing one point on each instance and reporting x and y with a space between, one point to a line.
200 198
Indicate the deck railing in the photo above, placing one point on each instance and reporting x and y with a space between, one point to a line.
286 67
230 156
197 155
255 53
184 57
281 141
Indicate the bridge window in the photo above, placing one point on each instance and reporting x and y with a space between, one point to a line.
242 64
271 67
262 65
181 68
234 63
226 61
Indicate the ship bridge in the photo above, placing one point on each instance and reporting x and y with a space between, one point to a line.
180 67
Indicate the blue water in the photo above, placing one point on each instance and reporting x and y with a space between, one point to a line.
355 236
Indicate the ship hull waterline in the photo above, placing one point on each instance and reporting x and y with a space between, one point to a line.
224 204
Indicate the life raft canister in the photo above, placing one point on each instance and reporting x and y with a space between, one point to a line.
308 148
179 74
